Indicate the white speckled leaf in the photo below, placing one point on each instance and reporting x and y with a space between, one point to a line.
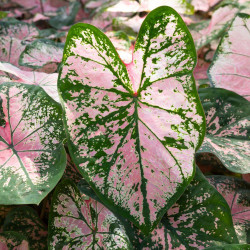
228 128
200 218
40 53
13 241
25 220
19 30
230 67
237 194
133 129
32 157
47 81
205 31
76 223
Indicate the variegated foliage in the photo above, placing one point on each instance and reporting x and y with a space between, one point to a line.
237 194
25 220
13 241
195 221
76 223
32 157
47 81
133 129
40 53
228 128
230 67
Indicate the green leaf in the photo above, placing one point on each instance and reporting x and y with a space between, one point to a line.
13 241
26 221
77 223
32 154
228 130
65 15
230 247
200 218
133 129
3 14
237 194
40 53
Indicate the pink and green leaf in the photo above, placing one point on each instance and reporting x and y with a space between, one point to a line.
200 218
40 53
25 220
133 129
77 223
13 241
47 81
32 157
230 66
228 128
237 194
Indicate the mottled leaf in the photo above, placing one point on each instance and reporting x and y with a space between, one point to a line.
26 221
47 81
40 53
13 241
65 15
230 67
19 30
32 157
133 130
76 223
205 31
200 218
204 5
237 194
11 49
228 128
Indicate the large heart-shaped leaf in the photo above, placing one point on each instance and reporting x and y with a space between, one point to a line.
76 223
26 221
13 240
41 52
230 66
237 194
32 157
133 129
47 81
228 128
200 218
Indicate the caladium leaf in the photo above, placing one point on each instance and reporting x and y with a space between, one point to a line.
230 66
26 221
205 31
200 218
47 81
228 128
237 194
11 49
40 53
13 241
32 157
76 223
65 15
204 5
19 30
133 130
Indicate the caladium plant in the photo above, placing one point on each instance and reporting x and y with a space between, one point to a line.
133 129
32 157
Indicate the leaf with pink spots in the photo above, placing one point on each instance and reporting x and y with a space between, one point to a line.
230 67
133 128
40 53
76 223
32 158
228 128
237 194
47 81
25 220
204 5
13 241
200 218
19 30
